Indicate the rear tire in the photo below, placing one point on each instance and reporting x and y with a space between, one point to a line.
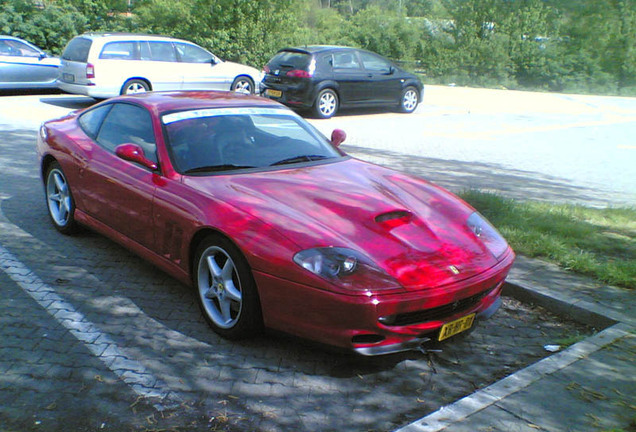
243 84
326 104
134 86
225 288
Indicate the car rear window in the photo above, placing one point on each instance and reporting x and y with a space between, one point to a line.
290 59
77 50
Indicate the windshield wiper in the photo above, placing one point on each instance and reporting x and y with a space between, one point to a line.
212 168
302 158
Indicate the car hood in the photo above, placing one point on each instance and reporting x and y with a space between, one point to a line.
413 230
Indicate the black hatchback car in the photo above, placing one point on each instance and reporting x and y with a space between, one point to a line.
327 78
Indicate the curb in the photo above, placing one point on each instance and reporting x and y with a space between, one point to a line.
583 312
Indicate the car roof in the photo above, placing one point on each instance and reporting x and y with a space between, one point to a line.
127 36
11 37
164 102
313 49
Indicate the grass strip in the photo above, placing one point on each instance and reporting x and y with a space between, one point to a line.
600 243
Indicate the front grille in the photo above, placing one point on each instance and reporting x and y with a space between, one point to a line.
435 314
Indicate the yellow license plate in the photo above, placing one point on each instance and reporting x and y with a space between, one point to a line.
273 93
457 326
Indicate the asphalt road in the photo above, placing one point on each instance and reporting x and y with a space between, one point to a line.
541 146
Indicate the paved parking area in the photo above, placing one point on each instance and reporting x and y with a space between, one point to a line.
154 339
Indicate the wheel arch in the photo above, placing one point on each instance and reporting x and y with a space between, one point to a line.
417 85
330 84
46 163
199 237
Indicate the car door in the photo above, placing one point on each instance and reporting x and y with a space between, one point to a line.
159 63
199 69
383 85
116 192
351 78
24 64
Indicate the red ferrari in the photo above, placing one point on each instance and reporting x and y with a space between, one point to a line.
271 222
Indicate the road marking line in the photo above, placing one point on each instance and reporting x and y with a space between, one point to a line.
133 373
447 416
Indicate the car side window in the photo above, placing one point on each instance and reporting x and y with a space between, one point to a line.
91 121
159 51
192 53
4 48
374 63
118 51
126 123
345 60
324 62
18 49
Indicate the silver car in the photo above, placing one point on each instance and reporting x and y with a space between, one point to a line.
104 65
23 65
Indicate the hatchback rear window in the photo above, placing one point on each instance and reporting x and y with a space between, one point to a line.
77 50
290 59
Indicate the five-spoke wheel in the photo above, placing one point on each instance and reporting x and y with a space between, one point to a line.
135 86
59 199
226 290
243 84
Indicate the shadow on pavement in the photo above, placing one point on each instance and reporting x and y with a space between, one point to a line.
74 103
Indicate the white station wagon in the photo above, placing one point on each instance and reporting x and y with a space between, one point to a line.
106 65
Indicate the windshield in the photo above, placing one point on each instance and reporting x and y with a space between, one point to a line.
224 139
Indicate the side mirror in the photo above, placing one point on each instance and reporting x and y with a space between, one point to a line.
42 56
391 70
134 153
337 137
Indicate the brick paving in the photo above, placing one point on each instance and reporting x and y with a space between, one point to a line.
51 380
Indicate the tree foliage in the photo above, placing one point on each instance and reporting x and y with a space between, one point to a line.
560 45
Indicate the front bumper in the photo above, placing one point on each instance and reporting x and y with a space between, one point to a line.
378 324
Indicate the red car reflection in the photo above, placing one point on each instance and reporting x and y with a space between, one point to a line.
272 223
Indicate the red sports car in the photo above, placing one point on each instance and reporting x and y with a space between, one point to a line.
271 222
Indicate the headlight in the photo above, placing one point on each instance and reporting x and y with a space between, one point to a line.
345 268
495 243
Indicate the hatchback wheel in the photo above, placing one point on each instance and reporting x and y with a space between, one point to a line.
326 104
410 99
243 84
226 290
59 200
135 86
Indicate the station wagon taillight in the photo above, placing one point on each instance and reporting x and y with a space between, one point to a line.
90 70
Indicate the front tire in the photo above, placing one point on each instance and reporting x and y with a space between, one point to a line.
226 291
134 86
243 84
59 200
409 100
326 104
